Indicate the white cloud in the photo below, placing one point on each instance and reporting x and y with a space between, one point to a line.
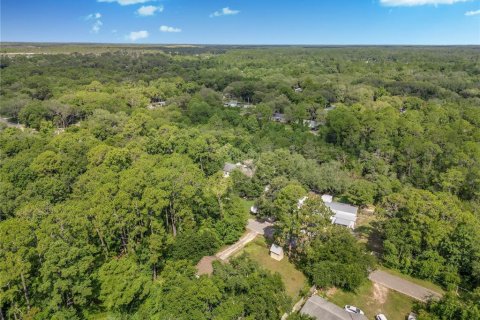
136 35
411 3
149 10
96 26
97 23
472 13
93 16
169 29
126 2
224 12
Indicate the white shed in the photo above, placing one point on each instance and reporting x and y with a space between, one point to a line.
276 252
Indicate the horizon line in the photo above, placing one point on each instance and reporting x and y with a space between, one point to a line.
241 44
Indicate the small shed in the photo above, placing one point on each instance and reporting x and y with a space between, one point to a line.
276 252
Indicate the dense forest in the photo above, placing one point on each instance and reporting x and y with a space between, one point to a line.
111 182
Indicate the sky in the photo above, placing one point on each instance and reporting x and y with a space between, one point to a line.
315 22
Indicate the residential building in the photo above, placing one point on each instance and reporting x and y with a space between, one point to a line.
321 309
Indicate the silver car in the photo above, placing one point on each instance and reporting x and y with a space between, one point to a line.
353 309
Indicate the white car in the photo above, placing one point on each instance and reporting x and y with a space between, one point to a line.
380 316
353 309
412 316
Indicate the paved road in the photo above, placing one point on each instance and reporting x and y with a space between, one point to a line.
259 226
403 286
254 228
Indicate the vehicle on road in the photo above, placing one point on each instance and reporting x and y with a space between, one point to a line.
353 309
380 316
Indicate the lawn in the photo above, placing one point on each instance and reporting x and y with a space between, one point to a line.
373 300
293 279
247 204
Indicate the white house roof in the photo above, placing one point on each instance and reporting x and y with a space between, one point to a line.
327 198
276 249
341 207
321 309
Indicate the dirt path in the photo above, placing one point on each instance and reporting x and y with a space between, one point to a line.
226 253
380 293
254 228
403 286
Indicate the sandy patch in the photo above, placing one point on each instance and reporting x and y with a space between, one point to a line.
380 293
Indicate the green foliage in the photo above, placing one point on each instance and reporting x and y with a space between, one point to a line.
334 258
465 307
193 246
361 192
122 284
104 192
431 236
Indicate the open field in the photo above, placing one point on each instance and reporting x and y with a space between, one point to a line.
293 279
374 299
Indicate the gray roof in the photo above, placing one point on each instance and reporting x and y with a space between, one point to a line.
346 216
342 222
337 206
321 309
229 167
276 249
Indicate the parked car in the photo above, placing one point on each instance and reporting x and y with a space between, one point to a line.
380 316
412 316
353 309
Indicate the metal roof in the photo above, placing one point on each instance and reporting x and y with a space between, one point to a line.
321 309
343 222
337 206
276 249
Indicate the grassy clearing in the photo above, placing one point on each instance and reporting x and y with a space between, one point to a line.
247 204
394 305
293 279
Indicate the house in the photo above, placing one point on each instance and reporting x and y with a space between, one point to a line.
321 309
276 252
279 117
232 104
344 214
156 104
228 168
311 124
246 168
327 198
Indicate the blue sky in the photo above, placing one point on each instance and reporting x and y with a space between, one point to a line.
242 21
